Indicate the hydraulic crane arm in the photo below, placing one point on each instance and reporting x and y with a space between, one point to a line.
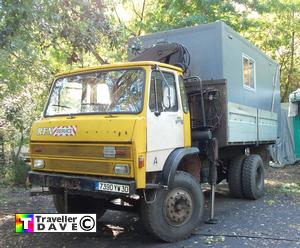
170 53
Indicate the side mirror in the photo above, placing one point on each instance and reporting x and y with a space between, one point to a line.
169 97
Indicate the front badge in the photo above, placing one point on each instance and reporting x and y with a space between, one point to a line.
57 131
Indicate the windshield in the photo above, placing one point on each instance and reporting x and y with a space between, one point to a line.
115 91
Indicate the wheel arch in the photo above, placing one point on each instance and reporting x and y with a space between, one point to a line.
166 176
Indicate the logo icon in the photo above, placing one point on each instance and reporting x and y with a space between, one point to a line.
24 223
87 223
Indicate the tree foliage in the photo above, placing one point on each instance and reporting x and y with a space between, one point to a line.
41 37
272 25
38 39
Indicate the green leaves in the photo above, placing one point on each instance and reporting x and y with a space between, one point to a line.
272 25
38 38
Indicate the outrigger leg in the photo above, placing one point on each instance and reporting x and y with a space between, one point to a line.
213 155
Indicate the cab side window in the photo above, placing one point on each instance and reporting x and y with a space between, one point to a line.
163 96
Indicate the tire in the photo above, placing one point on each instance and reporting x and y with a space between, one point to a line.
79 204
235 176
175 212
253 177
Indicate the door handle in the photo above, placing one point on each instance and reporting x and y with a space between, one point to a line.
179 120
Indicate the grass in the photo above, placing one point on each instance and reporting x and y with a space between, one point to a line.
282 187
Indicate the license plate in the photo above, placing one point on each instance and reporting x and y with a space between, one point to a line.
112 187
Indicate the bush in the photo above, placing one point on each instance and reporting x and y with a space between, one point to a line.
16 172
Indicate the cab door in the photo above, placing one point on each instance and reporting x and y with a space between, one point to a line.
165 125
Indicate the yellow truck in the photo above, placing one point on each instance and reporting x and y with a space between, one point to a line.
146 133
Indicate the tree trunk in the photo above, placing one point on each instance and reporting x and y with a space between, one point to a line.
20 144
98 57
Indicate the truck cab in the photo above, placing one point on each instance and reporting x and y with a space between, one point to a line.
118 121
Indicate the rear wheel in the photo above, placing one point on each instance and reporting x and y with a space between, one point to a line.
176 211
253 177
235 176
79 204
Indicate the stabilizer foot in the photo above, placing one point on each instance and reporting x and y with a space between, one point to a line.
212 221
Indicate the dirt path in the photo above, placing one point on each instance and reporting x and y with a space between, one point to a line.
273 221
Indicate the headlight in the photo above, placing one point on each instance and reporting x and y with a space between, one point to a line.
122 169
38 163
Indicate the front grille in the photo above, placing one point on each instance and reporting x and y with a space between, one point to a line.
88 159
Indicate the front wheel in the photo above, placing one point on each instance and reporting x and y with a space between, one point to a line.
175 212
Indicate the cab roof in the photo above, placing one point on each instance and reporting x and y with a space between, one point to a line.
118 65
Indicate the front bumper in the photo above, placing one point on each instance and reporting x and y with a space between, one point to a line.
77 183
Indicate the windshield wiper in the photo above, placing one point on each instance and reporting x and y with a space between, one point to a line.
61 106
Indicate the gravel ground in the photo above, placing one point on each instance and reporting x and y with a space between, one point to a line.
273 221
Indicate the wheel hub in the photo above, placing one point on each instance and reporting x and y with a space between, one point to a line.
178 207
